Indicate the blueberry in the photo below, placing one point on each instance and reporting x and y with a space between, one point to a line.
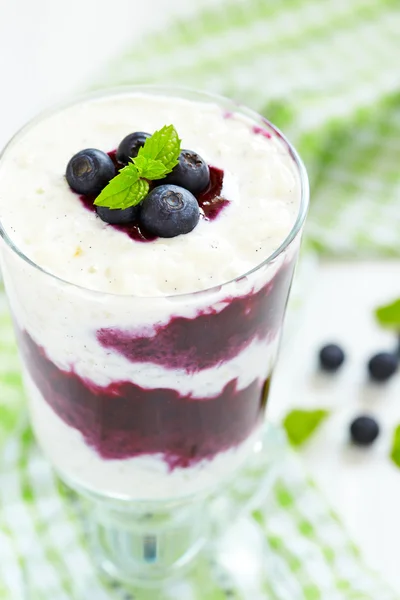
169 210
382 366
118 216
130 146
364 430
331 357
191 172
89 171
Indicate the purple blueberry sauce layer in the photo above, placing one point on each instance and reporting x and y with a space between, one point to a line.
124 420
211 337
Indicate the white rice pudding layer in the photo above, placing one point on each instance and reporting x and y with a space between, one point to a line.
49 224
129 285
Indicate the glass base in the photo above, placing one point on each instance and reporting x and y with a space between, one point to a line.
146 545
149 543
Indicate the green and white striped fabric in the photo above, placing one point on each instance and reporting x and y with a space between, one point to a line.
327 73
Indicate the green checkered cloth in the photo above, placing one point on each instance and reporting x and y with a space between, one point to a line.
327 73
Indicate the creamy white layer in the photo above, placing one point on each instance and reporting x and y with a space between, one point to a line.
146 477
261 181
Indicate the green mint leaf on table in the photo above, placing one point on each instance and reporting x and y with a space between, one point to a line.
395 450
125 190
149 168
389 315
155 159
163 145
301 424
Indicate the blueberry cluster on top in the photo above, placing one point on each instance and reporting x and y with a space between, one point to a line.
169 209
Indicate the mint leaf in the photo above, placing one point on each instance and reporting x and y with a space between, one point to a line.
155 159
395 450
164 145
125 190
389 315
149 168
301 424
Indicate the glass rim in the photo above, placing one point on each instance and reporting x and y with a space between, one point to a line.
178 92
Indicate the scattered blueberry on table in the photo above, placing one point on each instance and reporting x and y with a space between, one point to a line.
383 366
331 357
364 430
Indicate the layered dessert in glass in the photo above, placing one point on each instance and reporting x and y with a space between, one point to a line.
147 358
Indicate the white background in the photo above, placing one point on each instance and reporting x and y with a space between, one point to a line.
50 49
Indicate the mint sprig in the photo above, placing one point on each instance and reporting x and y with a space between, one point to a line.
148 168
164 145
389 315
122 190
155 160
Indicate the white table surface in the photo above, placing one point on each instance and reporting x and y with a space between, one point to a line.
50 49
362 485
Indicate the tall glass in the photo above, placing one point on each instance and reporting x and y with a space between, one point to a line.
146 406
